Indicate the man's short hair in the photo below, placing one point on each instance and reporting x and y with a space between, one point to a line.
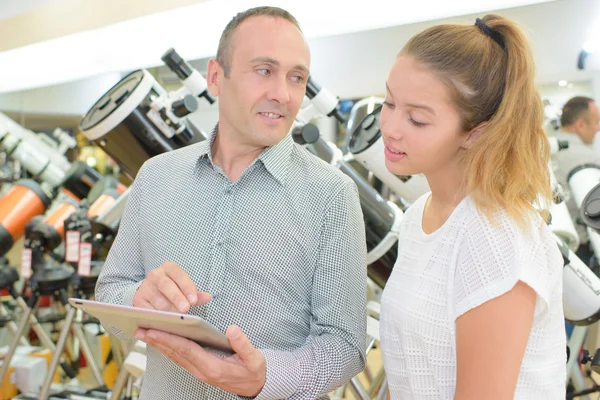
575 108
224 52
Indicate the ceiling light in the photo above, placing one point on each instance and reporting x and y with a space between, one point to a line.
562 83
590 46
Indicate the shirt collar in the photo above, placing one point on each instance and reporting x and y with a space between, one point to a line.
275 158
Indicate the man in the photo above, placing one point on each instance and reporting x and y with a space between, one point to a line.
250 232
579 121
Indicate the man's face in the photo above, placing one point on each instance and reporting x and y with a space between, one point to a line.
269 69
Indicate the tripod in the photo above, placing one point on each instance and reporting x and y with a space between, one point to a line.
8 277
49 281
84 289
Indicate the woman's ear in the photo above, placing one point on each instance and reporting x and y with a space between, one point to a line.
473 135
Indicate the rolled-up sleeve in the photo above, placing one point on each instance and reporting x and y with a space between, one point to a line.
335 349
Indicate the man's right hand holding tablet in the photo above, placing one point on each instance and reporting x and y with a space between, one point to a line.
169 288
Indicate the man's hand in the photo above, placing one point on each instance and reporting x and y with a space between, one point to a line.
169 288
243 373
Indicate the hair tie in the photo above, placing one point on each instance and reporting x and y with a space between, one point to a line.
492 33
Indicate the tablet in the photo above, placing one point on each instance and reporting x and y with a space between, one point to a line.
128 319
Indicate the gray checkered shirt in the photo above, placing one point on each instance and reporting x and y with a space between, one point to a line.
282 250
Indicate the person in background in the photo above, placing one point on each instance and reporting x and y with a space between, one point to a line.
473 307
579 121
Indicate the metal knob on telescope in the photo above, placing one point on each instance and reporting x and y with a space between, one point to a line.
563 144
177 64
305 134
207 96
590 209
185 106
337 115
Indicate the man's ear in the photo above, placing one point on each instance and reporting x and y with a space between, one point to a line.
214 74
473 135
579 125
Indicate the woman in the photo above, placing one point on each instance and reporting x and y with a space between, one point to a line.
473 308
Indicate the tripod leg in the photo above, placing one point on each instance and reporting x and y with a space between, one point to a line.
12 326
60 345
118 349
35 325
575 343
44 338
120 383
87 352
377 382
129 390
358 390
573 372
383 390
33 303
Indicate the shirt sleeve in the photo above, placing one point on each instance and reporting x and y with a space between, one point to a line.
123 272
335 349
493 257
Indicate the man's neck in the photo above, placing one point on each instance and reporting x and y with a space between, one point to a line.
568 131
232 156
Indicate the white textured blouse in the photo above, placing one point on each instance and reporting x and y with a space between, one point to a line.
463 264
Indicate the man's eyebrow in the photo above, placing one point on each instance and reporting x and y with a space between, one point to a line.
267 60
272 61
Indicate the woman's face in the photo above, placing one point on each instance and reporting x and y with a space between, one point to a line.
421 129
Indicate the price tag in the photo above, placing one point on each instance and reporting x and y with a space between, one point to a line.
26 263
85 259
72 245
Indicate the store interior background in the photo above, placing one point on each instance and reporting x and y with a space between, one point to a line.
77 58
58 57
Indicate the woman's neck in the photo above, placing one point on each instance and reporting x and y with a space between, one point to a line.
447 191
447 187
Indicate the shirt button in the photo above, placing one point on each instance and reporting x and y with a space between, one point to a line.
219 244
228 191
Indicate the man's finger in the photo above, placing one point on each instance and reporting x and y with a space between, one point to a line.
241 345
143 303
183 280
172 293
160 302
179 359
203 298
206 363
140 334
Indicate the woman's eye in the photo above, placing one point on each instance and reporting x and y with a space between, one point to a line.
417 123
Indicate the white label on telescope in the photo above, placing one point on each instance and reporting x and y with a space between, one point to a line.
72 246
85 259
26 263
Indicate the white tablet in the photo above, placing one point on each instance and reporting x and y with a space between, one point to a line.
128 319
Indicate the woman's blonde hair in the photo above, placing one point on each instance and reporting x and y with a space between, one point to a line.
489 70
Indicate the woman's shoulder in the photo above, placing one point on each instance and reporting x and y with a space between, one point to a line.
530 239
